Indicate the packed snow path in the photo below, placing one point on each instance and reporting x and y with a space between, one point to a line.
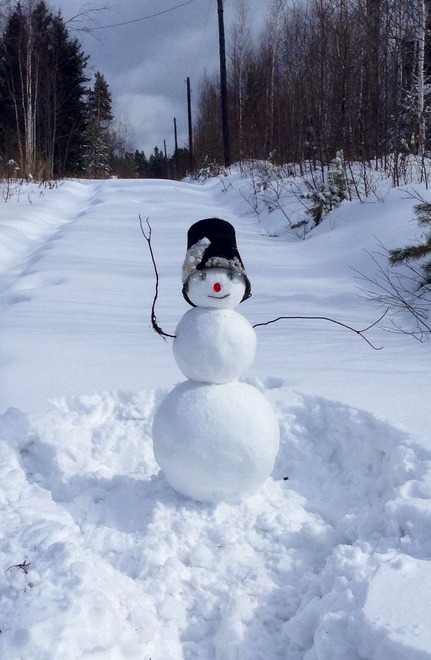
100 557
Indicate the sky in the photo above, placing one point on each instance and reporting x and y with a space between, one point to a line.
146 61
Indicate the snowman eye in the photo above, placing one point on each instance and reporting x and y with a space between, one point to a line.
234 276
198 276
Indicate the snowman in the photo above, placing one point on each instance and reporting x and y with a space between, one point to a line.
215 438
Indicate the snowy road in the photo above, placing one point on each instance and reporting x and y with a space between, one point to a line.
101 558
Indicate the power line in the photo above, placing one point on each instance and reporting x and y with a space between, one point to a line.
197 59
143 18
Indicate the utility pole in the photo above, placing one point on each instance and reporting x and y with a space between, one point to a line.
176 147
175 134
189 113
167 163
223 86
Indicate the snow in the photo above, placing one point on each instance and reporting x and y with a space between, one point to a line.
100 557
398 624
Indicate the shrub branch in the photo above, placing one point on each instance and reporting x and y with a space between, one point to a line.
157 328
154 323
360 333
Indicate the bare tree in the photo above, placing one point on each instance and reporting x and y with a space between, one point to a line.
207 131
398 291
120 137
271 40
239 58
331 75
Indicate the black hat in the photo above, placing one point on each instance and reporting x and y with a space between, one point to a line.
211 243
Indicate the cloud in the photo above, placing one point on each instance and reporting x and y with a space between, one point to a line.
146 63
151 116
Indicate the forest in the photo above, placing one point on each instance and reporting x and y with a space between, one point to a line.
323 79
52 123
55 119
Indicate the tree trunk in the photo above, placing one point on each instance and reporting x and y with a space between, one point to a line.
420 77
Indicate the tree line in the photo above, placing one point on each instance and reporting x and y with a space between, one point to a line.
324 76
46 109
55 119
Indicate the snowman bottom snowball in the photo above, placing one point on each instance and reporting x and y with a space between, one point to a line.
215 442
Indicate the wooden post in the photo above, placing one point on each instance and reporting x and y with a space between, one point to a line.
189 114
175 135
168 168
176 149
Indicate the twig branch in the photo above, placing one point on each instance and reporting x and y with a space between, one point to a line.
23 566
154 323
163 334
326 318
401 292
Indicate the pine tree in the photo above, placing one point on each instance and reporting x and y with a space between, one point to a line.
141 164
420 251
100 102
42 92
157 165
68 100
99 119
11 91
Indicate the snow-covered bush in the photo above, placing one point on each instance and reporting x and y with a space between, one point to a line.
274 188
327 194
208 170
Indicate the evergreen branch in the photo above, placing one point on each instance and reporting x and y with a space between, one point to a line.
423 249
360 333
154 323
399 255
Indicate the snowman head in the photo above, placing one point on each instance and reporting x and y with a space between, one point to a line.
213 273
215 287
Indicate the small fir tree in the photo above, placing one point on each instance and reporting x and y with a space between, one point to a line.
327 195
96 160
420 251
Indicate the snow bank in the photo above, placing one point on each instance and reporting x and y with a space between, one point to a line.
100 557
103 559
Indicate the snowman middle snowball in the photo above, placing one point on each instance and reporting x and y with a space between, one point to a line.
214 345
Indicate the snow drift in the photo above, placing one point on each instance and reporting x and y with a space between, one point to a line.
100 557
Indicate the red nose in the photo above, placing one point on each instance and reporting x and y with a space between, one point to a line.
217 287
